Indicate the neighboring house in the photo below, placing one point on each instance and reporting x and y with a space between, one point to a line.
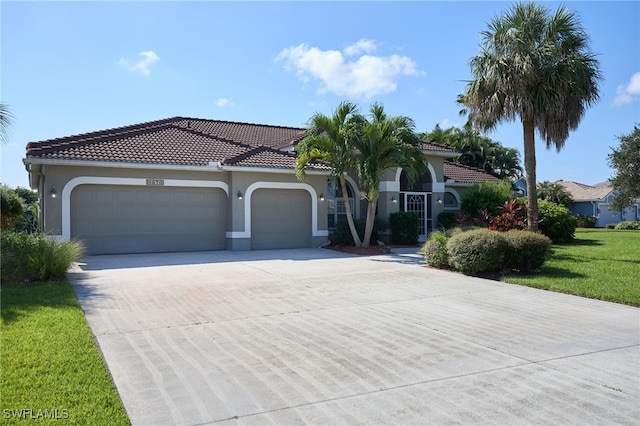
183 184
595 200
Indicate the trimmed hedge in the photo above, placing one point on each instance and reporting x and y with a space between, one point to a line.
435 251
482 250
475 251
526 250
628 224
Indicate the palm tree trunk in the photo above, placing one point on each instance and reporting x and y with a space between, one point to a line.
347 207
371 215
530 170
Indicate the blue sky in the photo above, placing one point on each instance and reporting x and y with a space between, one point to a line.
75 67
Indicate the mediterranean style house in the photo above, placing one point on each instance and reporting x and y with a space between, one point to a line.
188 184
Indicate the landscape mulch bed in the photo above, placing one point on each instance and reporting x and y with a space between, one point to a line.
370 251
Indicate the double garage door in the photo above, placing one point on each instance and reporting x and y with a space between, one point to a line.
112 219
129 219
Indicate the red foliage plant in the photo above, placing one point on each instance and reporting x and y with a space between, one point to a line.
512 216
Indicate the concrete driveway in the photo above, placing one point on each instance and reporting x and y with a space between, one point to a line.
317 337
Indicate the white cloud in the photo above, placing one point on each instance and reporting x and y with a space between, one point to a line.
361 45
149 57
223 102
628 93
352 72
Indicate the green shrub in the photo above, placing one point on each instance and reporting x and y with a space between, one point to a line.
487 195
526 250
342 234
585 221
34 257
447 220
628 224
435 251
556 222
404 227
611 226
475 251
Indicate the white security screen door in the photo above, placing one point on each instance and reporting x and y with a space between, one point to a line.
420 204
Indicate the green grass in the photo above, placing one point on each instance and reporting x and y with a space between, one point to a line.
601 264
49 361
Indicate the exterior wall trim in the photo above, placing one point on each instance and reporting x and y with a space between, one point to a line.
315 232
100 180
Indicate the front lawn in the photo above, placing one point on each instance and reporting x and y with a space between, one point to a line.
51 367
600 264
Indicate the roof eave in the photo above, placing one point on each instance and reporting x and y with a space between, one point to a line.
214 166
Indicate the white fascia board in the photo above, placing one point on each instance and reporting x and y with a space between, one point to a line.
442 154
120 165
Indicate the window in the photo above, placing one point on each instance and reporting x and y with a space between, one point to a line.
450 201
336 209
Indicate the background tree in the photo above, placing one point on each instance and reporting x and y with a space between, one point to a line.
29 220
554 192
626 162
328 141
383 142
536 66
11 208
478 151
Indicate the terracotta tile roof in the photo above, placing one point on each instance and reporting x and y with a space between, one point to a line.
247 133
465 174
582 192
264 156
180 141
436 147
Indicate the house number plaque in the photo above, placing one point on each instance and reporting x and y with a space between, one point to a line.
156 182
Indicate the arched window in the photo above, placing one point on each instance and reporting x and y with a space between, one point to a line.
423 184
335 204
450 201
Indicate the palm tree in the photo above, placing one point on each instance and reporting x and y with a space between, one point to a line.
384 142
554 192
328 141
537 67
6 119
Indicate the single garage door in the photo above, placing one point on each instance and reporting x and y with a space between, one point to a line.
280 218
131 219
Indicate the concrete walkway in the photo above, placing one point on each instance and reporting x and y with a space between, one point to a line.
317 337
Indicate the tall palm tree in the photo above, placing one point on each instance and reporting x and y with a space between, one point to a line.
537 67
328 141
6 119
384 142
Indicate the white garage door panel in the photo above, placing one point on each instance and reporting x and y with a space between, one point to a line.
124 219
280 219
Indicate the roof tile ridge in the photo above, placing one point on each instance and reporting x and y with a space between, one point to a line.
94 138
99 134
254 150
275 126
215 137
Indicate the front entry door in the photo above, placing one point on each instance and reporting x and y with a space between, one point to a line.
420 204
